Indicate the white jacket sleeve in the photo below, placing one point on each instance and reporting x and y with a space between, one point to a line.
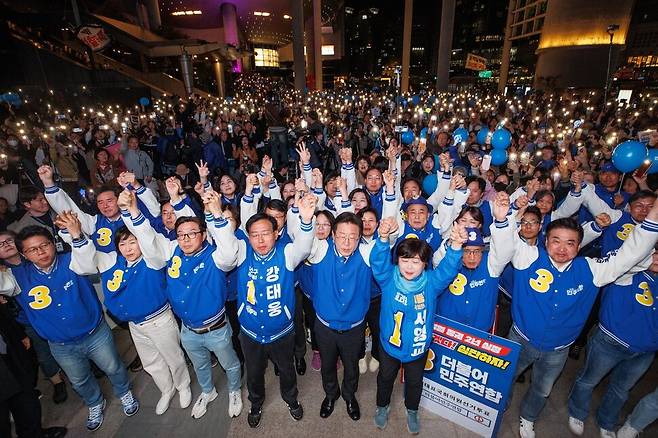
230 251
300 249
60 201
500 249
150 201
636 248
347 172
596 205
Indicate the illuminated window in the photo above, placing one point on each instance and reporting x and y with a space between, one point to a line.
266 57
327 49
178 13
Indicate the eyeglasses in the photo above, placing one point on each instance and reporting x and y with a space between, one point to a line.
317 225
346 237
471 252
7 242
37 249
528 223
191 235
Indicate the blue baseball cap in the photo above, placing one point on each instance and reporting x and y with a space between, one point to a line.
417 201
474 237
608 167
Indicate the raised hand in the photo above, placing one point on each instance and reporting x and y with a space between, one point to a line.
500 206
577 180
316 178
203 170
199 188
387 226
45 173
265 182
307 206
603 220
251 182
458 236
345 155
301 187
304 153
444 162
457 182
267 164
174 188
521 202
532 187
212 203
69 221
389 181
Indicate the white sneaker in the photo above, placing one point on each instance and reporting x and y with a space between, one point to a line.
576 426
626 431
373 366
234 403
363 366
526 428
163 403
185 397
605 433
200 407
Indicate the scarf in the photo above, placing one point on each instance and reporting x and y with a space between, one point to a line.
408 287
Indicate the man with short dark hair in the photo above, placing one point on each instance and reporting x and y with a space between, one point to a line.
63 308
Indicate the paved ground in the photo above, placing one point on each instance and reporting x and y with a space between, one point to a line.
277 423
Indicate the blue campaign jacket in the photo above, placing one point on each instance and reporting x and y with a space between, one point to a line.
62 306
406 319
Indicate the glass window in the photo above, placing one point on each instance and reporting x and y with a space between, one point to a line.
266 57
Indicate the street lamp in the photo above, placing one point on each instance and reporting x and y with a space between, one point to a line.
611 31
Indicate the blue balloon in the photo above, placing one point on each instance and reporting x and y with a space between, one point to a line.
407 137
501 138
430 182
415 99
653 156
423 133
629 155
144 101
482 136
459 135
498 156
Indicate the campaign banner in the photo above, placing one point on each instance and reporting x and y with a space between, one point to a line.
93 36
468 376
475 62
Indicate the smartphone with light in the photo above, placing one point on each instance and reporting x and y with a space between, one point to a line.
486 162
643 169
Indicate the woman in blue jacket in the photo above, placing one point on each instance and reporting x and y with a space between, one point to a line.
409 294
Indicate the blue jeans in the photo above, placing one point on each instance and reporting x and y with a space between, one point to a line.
74 359
546 368
47 362
645 412
604 354
198 348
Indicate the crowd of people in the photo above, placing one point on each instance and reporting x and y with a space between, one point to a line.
240 230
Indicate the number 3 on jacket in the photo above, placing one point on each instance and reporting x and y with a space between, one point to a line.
543 281
42 298
113 285
645 298
174 269
104 236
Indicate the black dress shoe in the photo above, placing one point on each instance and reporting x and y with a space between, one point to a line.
300 366
353 410
60 395
53 432
327 407
136 365
296 411
253 418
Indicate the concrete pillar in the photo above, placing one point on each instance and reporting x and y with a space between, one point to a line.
317 43
297 11
406 44
507 46
218 68
445 45
231 35
186 72
153 8
143 16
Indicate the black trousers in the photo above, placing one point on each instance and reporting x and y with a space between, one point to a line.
413 379
256 356
347 345
232 313
300 331
372 318
309 320
504 315
24 406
